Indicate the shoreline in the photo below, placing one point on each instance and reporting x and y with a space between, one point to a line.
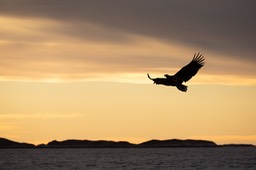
77 143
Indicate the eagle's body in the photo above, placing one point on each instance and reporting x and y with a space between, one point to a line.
183 75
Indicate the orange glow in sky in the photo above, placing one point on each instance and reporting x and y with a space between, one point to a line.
84 77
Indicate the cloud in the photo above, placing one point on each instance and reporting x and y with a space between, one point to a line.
94 39
39 116
228 26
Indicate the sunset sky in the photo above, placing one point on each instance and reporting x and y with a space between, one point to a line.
78 70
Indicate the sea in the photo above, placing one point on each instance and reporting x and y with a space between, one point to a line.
240 158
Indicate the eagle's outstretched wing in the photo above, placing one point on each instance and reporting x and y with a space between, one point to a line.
188 71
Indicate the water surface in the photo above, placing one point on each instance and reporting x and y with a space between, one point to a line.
129 158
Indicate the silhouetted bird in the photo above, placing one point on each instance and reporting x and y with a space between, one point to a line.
185 74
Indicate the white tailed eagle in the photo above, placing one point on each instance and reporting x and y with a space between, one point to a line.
183 75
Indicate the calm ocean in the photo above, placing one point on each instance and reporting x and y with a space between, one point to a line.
129 158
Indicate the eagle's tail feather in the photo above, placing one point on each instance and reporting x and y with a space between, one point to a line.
149 77
182 87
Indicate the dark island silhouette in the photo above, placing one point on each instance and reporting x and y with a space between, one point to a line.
88 144
183 75
74 143
6 143
178 143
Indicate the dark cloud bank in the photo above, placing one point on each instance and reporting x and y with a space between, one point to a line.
224 26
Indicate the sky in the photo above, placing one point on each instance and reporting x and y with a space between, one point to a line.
78 70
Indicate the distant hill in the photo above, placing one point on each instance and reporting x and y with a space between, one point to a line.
112 144
88 144
178 143
73 143
6 143
237 145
